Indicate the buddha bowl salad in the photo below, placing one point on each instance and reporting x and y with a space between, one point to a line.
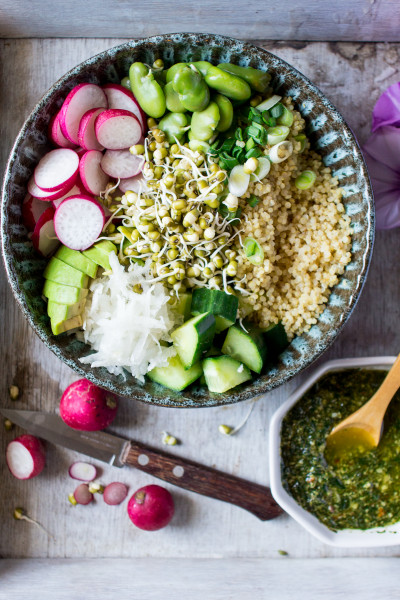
190 230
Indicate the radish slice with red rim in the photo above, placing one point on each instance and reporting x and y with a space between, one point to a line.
56 169
92 175
40 194
117 129
81 98
78 221
82 471
133 184
86 135
56 135
44 237
74 191
115 493
25 457
82 494
121 164
32 209
120 97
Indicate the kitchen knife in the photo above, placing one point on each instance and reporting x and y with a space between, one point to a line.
119 452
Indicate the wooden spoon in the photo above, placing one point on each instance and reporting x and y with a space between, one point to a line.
362 430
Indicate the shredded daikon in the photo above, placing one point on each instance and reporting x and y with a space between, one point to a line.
126 328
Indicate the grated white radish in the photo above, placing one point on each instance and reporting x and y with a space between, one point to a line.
125 328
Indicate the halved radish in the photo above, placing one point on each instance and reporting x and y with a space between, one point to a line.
56 135
32 209
81 98
44 237
79 221
92 175
115 493
56 169
74 191
120 97
121 164
82 471
117 129
25 457
86 135
82 494
40 194
133 184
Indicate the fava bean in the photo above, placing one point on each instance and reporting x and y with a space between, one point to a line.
174 125
225 112
147 91
204 123
225 83
257 79
193 91
172 99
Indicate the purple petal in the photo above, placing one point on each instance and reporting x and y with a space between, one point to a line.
384 147
379 172
387 210
387 108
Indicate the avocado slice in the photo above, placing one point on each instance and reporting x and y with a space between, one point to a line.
75 259
62 312
59 272
63 294
58 328
100 252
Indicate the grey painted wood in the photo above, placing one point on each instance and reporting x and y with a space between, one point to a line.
363 20
352 75
222 579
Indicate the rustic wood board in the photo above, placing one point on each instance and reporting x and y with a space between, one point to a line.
365 20
352 75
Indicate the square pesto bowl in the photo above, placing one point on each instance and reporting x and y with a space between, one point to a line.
328 134
389 535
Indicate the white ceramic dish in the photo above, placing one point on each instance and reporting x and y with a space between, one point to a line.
386 536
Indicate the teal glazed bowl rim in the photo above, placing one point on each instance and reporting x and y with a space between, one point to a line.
330 136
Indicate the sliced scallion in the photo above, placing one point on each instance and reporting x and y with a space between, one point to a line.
253 251
305 180
280 152
277 134
253 152
238 181
303 141
269 103
253 200
286 118
277 110
264 166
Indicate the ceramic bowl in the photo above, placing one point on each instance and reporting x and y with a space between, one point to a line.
329 134
349 538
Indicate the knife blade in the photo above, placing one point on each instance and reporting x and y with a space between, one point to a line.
178 471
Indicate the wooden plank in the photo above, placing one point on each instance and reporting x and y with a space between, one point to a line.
352 75
362 20
152 579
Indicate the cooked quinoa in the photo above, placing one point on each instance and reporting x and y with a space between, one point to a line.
305 236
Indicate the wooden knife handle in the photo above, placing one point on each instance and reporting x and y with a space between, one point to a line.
192 476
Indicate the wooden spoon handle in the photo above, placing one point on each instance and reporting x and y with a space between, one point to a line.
192 476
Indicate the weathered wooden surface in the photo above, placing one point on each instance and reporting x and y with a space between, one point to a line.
352 75
199 579
364 20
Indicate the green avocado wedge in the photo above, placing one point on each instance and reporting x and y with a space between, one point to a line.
76 259
59 272
63 294
100 253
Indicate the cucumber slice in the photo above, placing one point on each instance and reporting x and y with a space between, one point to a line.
224 373
223 306
182 307
249 348
193 338
175 376
276 339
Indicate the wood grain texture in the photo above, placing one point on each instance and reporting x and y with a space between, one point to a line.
190 475
352 76
362 20
199 579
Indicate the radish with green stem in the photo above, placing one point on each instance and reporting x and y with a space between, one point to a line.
79 221
87 407
25 457
82 471
151 508
115 493
81 98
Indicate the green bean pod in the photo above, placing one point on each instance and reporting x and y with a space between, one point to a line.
192 89
172 99
147 91
225 83
204 123
225 112
174 126
257 79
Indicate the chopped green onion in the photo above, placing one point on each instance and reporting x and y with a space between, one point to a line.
250 144
286 118
277 110
253 200
277 134
280 152
303 140
268 120
253 251
227 145
239 134
264 167
269 103
253 152
257 119
305 180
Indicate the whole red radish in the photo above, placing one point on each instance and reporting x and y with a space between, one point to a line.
151 508
87 407
25 457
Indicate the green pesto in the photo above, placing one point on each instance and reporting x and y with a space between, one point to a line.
364 490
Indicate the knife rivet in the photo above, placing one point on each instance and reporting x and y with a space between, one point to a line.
143 459
178 471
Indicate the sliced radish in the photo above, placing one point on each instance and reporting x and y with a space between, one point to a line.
81 98
121 164
79 221
56 135
82 471
82 494
25 457
56 169
44 237
92 175
117 129
133 184
40 194
74 191
115 493
86 135
120 97
32 209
